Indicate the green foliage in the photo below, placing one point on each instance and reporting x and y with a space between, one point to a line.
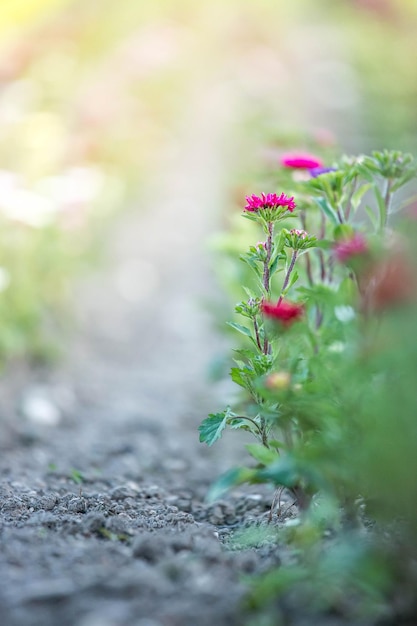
330 395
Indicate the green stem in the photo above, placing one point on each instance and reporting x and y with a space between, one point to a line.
263 433
387 201
266 276
266 280
258 339
288 274
249 419
307 256
349 201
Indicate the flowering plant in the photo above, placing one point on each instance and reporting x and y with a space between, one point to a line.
326 359
325 370
312 296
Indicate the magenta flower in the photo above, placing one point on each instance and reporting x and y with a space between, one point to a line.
298 160
284 311
269 201
345 249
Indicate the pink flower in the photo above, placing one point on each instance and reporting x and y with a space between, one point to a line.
284 311
269 201
300 160
345 249
299 233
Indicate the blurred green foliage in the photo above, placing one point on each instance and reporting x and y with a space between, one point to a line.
106 88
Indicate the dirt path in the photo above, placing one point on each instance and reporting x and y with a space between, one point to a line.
102 513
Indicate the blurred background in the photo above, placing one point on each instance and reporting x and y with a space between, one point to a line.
100 101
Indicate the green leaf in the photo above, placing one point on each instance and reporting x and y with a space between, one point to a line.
404 180
76 476
293 279
324 244
381 206
212 427
274 264
235 476
282 472
235 423
249 293
252 264
343 231
358 195
328 211
261 454
239 377
365 172
241 329
372 217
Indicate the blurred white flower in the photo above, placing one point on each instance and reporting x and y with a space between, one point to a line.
337 347
344 313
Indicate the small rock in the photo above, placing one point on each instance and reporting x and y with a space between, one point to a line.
47 502
122 492
119 524
77 505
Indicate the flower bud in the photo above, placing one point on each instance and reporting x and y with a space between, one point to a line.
278 381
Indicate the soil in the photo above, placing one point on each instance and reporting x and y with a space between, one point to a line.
103 482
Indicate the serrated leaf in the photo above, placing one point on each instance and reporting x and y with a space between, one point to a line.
212 427
238 377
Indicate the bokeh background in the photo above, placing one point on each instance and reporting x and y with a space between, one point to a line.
97 96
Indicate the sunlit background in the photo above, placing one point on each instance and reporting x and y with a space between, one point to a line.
97 97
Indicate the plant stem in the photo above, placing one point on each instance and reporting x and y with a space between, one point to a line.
263 433
349 201
266 280
249 419
387 200
288 274
339 215
268 246
308 260
256 329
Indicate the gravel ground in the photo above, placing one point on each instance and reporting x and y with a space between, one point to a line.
103 517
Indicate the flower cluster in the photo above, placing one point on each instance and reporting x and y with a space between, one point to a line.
299 233
299 239
269 201
284 311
